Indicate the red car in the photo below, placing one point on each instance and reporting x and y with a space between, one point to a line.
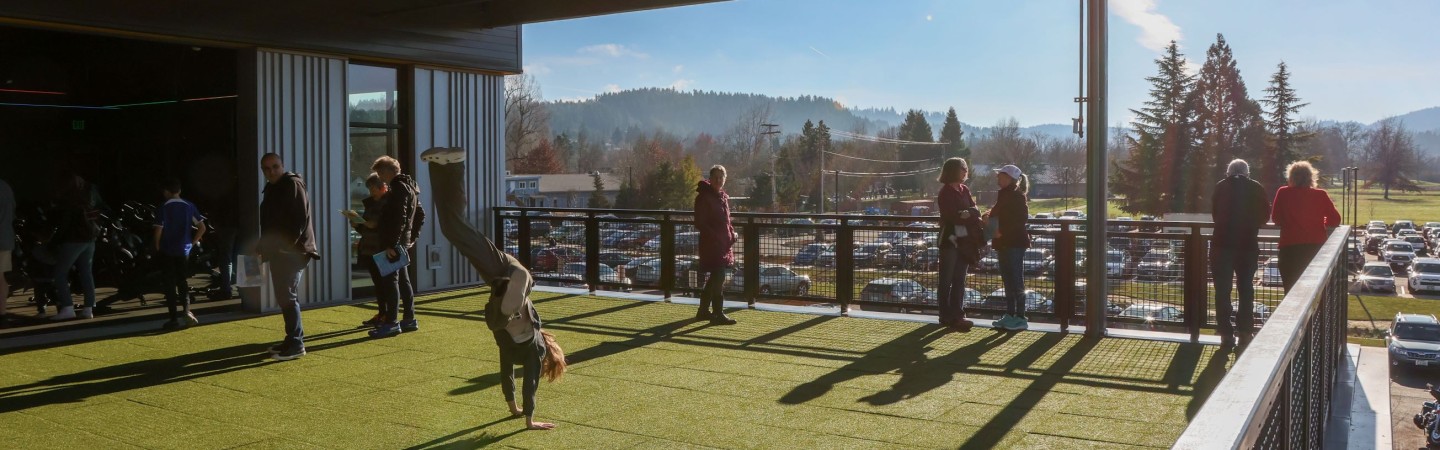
549 259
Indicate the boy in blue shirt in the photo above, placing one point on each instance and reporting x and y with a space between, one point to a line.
173 242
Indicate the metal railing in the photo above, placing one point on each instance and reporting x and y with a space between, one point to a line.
1277 395
1158 271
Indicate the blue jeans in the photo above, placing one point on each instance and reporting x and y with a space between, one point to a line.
1012 277
951 292
1237 265
81 255
285 272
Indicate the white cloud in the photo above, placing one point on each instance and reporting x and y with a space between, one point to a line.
1156 30
612 88
612 50
682 84
536 69
678 69
929 17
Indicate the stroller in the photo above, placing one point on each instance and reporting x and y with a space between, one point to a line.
1428 421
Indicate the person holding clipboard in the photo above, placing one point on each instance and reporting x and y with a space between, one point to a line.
366 224
396 230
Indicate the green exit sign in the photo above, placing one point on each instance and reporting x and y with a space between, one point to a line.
77 125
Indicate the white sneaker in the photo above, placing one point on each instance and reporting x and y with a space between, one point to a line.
443 155
64 314
87 313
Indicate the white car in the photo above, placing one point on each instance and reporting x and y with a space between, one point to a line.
1151 313
1376 277
1424 275
1269 273
1399 254
607 274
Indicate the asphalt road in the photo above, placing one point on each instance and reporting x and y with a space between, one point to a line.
1407 393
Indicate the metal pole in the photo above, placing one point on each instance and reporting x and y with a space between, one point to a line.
821 171
1097 286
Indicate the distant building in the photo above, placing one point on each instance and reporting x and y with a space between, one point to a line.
564 190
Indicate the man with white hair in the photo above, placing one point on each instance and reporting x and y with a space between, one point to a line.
1239 208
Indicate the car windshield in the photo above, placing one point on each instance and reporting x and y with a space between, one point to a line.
870 248
877 287
1379 271
1427 268
1399 248
1418 331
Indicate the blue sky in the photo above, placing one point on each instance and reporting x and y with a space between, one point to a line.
1352 60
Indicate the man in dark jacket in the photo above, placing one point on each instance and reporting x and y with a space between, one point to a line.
1239 208
287 243
396 234
717 236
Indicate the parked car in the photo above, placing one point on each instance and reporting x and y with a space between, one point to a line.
1037 260
971 297
797 231
871 254
1158 265
810 252
614 259
892 237
1424 275
1398 254
989 262
1269 273
1119 226
549 259
649 272
607 274
926 260
1259 313
902 255
632 268
1034 301
1401 225
1376 277
1428 230
893 290
1422 248
774 279
1414 340
688 242
1152 313
826 258
1373 241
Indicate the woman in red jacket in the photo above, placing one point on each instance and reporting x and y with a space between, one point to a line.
1304 215
717 236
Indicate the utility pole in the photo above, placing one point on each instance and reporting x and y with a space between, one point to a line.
770 129
820 170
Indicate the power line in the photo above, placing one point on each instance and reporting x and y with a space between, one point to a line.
861 137
883 174
878 160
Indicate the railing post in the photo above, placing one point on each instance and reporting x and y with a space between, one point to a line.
1065 276
751 252
592 251
845 265
522 236
1196 256
667 256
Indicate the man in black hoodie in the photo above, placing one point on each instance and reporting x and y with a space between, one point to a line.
397 232
287 243
1240 208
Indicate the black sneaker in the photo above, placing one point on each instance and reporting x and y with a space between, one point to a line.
385 330
703 315
172 325
721 319
409 326
277 348
289 353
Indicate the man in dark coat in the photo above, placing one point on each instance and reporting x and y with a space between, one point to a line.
287 243
396 234
1239 208
717 236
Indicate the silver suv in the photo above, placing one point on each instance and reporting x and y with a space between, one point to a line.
1424 275
1414 340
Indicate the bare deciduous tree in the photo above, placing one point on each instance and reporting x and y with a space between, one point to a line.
1390 158
526 119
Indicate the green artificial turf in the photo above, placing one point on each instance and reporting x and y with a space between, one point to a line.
642 375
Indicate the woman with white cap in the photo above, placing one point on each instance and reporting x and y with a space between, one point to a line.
1009 215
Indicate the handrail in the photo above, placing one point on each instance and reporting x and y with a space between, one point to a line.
1244 402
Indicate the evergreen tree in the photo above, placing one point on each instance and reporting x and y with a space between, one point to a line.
1149 177
952 134
1282 122
598 198
628 197
916 129
1226 127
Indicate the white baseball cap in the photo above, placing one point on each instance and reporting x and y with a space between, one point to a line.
1011 170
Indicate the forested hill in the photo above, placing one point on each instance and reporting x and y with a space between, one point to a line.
689 113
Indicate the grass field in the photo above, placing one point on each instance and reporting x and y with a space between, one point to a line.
1421 208
642 375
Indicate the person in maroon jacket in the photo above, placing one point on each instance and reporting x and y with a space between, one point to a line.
960 241
717 236
1240 209
1304 214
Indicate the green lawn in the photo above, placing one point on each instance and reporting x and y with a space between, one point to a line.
1421 208
642 376
1056 205
1383 308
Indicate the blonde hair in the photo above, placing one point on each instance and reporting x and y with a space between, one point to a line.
1302 174
953 171
553 366
386 162
717 168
